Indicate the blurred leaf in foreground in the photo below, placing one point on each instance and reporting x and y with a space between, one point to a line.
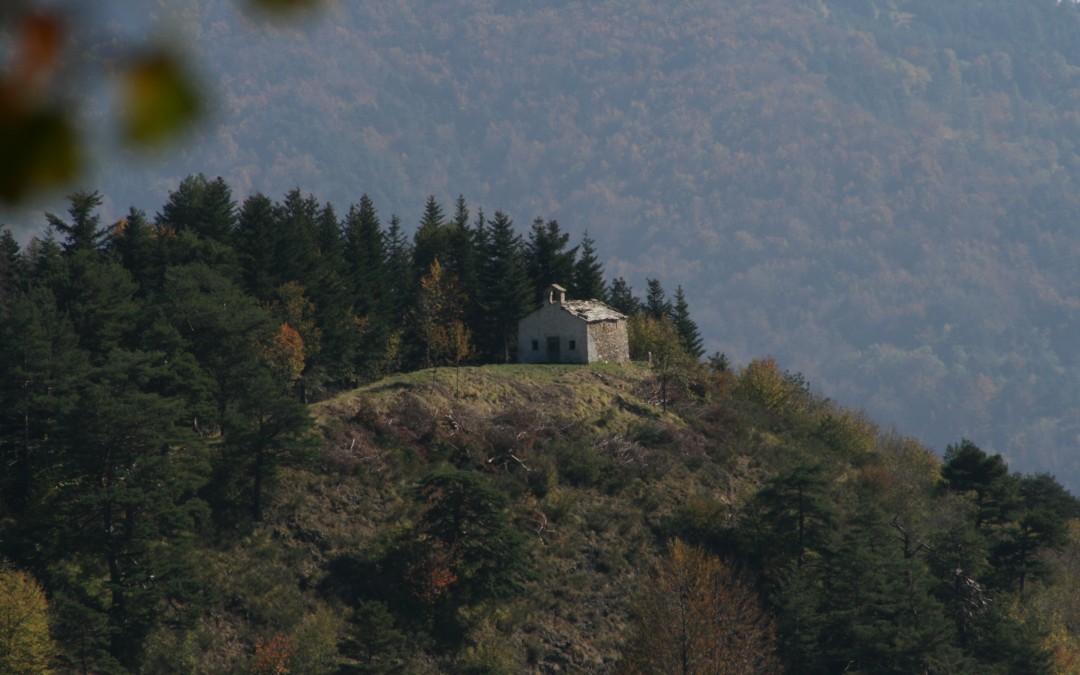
38 144
160 98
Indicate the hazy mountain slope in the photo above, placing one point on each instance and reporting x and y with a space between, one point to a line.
881 192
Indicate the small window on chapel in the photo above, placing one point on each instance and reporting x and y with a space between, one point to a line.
536 345
573 345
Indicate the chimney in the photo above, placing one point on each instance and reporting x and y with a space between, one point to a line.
556 294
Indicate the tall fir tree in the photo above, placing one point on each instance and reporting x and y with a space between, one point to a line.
505 291
330 290
685 326
202 207
84 232
656 302
296 254
11 272
547 260
587 282
399 272
255 244
431 239
621 297
366 258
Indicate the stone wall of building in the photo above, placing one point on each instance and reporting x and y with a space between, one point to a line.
608 342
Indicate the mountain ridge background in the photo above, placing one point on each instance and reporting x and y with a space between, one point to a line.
880 195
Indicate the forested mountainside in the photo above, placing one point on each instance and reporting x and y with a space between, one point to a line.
169 503
882 191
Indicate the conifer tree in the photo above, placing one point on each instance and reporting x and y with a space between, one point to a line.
431 239
84 231
330 290
399 276
296 249
133 244
656 302
462 257
10 270
686 327
366 264
588 278
547 260
505 290
622 297
202 207
255 243
366 258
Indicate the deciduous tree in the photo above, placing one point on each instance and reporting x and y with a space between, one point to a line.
698 616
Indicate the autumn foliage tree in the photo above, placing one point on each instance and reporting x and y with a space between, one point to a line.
440 307
25 644
698 616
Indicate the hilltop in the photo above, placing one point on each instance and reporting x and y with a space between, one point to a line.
583 478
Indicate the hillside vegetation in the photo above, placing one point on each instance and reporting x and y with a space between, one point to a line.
505 519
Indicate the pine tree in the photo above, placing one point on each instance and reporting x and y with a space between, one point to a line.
621 297
137 246
505 290
547 260
432 238
83 232
202 207
296 253
11 272
255 244
365 256
398 272
656 302
588 278
687 329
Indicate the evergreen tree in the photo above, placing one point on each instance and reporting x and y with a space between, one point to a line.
255 243
432 238
461 258
588 279
98 294
366 258
335 315
202 207
139 248
656 302
685 326
296 254
621 297
505 290
40 368
398 271
968 469
547 261
132 473
796 516
11 273
84 231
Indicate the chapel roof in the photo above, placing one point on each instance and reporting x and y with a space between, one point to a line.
592 310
